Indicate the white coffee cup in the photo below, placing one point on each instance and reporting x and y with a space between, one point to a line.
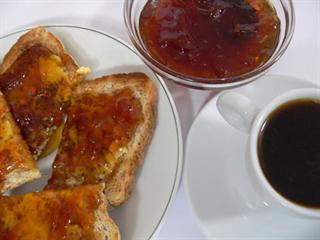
241 113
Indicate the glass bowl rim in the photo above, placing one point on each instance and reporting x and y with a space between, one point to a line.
224 82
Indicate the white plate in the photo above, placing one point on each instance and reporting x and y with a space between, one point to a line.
157 181
213 175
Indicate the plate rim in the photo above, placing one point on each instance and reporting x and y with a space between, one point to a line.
180 152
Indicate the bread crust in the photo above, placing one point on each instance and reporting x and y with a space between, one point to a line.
104 226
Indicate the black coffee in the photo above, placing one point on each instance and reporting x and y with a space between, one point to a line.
289 151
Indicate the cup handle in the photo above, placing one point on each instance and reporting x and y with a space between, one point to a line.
238 110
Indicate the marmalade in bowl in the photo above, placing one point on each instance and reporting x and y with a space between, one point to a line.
210 38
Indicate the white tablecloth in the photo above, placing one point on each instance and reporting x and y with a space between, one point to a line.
302 60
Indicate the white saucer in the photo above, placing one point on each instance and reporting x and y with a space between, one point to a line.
215 160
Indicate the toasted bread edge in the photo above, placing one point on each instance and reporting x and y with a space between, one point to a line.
104 226
18 177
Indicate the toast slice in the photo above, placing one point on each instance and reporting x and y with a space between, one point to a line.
16 163
73 214
36 77
110 123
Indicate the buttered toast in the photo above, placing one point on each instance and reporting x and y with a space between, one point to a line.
36 77
109 127
16 163
73 214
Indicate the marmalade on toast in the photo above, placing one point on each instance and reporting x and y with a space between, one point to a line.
8 148
14 154
65 214
36 92
95 138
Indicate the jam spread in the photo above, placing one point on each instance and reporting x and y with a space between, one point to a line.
36 93
210 38
66 214
95 138
11 156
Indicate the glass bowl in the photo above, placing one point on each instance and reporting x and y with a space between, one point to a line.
284 10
